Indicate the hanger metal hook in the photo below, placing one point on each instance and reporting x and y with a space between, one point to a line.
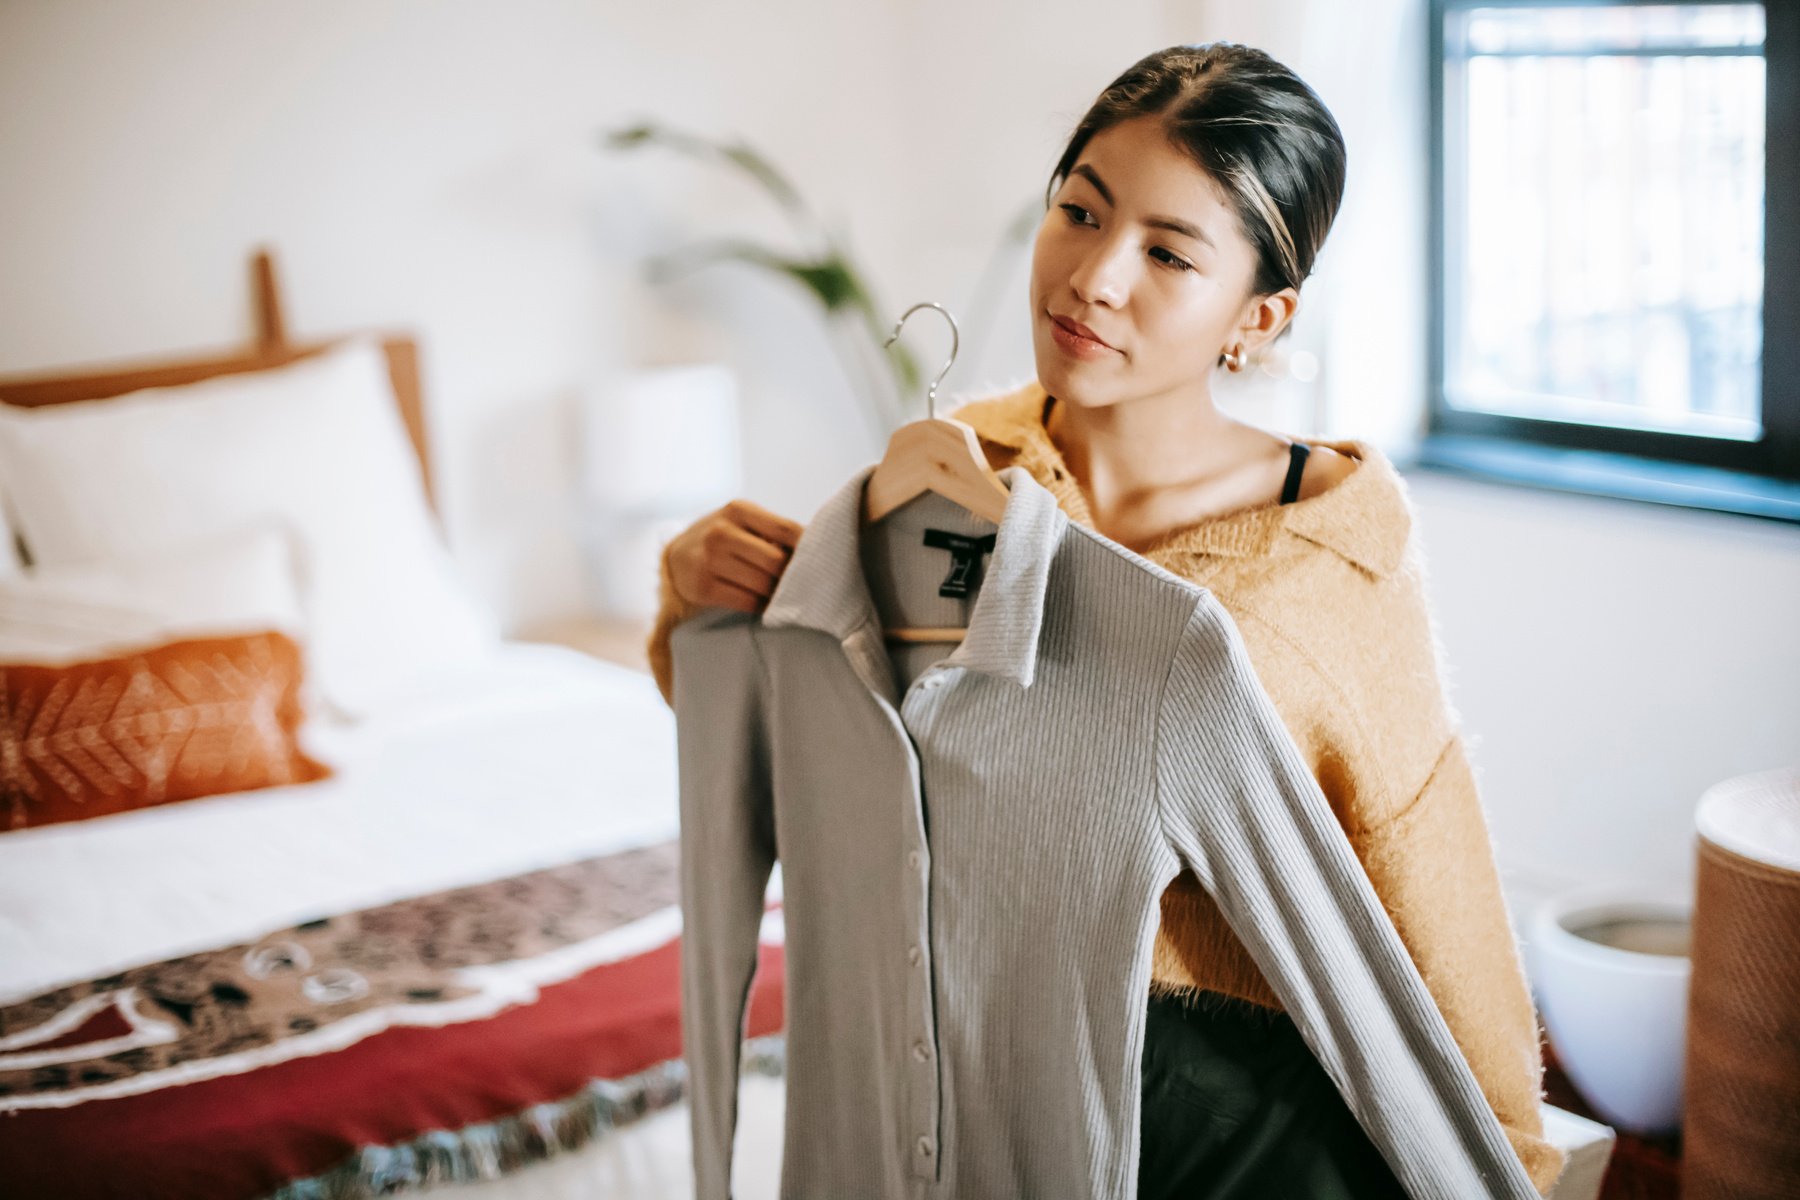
955 342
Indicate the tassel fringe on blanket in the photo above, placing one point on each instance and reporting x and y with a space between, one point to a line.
494 1149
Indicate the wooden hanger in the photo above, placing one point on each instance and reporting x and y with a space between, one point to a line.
938 455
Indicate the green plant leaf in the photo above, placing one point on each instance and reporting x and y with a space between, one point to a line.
830 277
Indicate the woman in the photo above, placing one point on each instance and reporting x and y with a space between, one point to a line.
1183 217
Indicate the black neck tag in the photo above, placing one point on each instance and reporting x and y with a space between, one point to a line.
965 552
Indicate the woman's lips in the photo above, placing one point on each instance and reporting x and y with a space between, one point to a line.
1068 335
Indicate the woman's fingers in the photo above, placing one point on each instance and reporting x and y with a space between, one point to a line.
726 594
733 544
739 556
743 558
772 527
734 557
738 573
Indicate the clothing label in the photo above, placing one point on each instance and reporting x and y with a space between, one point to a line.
965 552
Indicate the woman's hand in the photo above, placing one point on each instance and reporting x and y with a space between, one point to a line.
732 557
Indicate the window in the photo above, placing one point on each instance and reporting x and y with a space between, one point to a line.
1616 203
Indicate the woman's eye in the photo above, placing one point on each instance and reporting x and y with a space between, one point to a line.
1072 210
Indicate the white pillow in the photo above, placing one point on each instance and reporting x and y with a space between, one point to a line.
240 582
318 444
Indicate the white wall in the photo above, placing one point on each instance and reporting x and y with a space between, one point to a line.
1614 660
434 166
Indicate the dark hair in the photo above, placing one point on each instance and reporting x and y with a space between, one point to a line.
1255 127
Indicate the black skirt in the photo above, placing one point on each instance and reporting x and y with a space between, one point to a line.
1235 1107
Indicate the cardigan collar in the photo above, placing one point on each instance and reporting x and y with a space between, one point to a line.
823 587
1365 518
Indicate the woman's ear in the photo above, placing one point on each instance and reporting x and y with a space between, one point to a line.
1267 316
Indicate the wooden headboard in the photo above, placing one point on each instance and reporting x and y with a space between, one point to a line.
270 349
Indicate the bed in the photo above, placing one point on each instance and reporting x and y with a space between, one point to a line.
444 960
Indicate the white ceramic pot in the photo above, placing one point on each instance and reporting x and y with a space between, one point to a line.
1616 1017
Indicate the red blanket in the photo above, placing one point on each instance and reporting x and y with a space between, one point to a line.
516 1018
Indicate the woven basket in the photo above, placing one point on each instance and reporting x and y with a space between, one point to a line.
1741 1128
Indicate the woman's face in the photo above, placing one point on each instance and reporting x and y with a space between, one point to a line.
1165 301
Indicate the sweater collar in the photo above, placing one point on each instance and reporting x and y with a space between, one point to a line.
1365 518
823 587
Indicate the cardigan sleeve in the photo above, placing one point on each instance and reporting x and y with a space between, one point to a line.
672 609
1432 863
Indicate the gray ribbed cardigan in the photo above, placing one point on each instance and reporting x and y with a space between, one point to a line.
973 846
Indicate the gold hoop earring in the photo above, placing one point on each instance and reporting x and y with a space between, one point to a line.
1234 360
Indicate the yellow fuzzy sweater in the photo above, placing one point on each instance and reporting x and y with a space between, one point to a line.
1328 593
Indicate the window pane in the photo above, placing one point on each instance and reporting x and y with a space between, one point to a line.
1604 185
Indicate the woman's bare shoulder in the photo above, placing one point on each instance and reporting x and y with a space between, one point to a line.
1325 469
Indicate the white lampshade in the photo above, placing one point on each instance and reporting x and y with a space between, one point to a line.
662 440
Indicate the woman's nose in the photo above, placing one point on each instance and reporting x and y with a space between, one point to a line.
1102 276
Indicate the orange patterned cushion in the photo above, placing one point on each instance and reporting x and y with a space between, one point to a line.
190 718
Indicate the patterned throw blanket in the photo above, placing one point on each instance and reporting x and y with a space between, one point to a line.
529 1013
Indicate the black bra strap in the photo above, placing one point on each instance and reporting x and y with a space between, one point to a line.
1290 491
